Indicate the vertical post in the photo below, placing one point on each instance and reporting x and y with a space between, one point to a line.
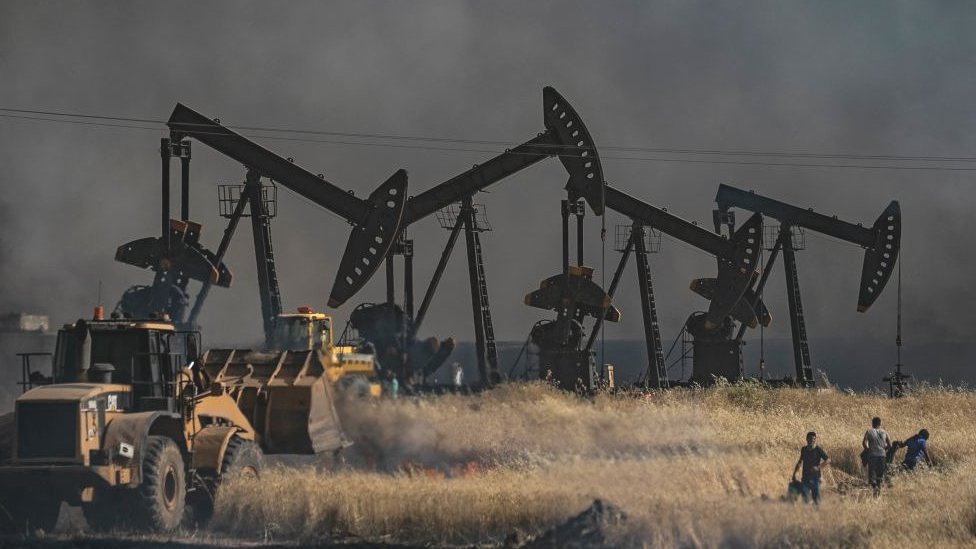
580 211
565 212
467 210
253 188
801 351
654 375
185 180
390 290
164 154
408 278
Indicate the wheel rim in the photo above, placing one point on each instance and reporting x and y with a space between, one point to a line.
170 488
249 471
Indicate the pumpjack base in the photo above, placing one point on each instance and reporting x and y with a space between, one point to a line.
569 369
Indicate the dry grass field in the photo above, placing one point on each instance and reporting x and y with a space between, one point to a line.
698 468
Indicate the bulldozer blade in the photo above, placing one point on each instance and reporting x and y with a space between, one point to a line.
879 260
576 150
371 239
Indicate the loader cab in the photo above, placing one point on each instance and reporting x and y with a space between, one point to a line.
146 354
302 331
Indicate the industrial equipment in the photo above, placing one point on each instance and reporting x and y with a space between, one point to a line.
176 256
737 260
572 294
881 244
565 136
134 422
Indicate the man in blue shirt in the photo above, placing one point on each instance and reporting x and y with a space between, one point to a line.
917 447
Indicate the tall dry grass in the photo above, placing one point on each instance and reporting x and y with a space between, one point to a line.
696 468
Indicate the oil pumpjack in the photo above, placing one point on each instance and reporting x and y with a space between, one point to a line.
177 256
565 137
881 243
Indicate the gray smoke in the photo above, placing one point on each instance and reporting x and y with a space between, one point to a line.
865 78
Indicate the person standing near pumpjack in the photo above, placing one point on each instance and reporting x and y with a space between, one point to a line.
812 458
876 443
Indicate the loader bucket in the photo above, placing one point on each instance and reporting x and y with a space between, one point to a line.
284 394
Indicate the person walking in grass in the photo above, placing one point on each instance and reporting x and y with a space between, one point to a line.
812 459
876 443
918 448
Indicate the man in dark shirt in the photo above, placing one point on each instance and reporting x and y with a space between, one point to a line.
812 458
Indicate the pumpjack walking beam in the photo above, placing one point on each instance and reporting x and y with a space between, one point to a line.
566 137
376 220
881 242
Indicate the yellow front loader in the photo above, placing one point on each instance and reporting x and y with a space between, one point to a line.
135 424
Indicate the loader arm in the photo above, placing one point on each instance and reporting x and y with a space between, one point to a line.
881 242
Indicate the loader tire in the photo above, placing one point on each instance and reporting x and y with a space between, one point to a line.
161 498
242 458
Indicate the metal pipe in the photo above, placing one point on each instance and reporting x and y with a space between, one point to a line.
565 213
408 278
185 180
580 211
613 288
438 273
164 154
390 289
221 251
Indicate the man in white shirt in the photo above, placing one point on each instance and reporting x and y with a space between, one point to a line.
876 444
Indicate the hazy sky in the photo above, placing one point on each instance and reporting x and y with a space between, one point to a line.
865 78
